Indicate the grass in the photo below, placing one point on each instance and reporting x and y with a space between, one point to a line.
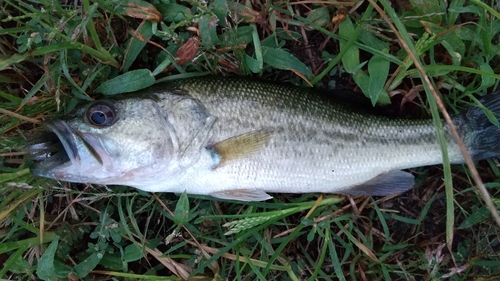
54 55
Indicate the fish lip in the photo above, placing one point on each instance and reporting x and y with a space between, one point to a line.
66 136
57 146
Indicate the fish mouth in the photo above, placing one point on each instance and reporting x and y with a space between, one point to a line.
56 147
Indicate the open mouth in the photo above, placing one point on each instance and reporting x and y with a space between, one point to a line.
56 147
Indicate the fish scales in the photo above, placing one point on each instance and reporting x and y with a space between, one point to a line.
318 146
239 138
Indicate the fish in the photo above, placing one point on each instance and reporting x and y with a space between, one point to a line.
241 139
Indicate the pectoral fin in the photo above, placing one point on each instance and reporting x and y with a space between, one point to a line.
242 195
239 147
384 184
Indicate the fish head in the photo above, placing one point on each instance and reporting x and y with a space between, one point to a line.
124 141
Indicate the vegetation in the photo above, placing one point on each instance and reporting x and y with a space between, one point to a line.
56 54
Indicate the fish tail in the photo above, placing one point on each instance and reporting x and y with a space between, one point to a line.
480 131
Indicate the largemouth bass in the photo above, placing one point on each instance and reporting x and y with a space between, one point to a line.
239 139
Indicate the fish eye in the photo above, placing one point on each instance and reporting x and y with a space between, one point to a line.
101 114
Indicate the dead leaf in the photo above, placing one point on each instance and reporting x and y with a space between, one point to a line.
141 10
187 51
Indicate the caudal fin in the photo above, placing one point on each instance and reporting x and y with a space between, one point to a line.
479 133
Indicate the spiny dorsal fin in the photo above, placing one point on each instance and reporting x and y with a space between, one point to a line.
239 147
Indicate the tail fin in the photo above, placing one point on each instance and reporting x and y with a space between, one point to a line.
479 132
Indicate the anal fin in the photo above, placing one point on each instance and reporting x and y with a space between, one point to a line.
384 184
242 195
